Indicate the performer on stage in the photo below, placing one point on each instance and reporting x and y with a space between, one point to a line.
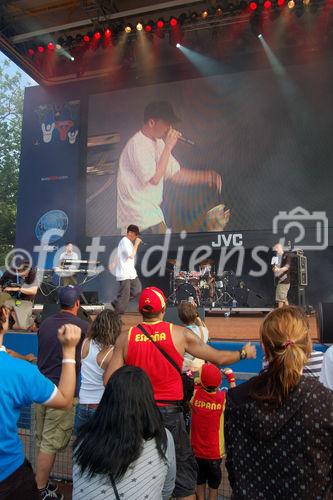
68 277
19 287
145 162
129 283
281 269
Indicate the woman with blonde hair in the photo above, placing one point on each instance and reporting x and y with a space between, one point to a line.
96 353
279 424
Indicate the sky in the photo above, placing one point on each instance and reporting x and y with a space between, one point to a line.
26 80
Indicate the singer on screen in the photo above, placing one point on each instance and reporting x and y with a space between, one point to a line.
145 162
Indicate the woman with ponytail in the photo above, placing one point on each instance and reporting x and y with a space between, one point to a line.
279 425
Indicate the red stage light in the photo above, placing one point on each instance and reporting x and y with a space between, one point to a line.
50 46
86 38
97 35
173 22
253 5
160 23
267 4
40 49
107 33
148 28
280 3
31 52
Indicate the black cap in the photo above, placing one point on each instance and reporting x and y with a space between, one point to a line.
161 110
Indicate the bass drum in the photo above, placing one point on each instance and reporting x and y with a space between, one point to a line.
184 292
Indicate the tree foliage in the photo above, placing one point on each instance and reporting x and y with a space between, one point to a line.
11 111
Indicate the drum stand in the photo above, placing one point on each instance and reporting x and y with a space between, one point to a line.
172 299
223 298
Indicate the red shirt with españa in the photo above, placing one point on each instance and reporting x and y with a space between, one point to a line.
166 381
207 431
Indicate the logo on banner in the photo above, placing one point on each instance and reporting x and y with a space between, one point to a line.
54 221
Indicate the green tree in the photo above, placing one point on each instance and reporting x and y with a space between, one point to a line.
11 111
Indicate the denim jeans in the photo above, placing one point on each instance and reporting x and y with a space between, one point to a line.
84 413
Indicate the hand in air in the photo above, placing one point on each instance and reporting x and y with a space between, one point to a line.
172 138
69 335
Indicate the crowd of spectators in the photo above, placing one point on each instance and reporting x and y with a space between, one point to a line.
127 389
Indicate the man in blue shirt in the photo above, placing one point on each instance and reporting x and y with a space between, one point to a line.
22 384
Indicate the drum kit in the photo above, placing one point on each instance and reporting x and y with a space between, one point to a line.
204 287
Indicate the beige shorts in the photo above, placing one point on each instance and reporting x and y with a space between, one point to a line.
281 292
22 309
54 428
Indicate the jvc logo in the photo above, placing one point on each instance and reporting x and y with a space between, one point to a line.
226 240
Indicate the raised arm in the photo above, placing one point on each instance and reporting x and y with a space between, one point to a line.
118 357
69 336
198 349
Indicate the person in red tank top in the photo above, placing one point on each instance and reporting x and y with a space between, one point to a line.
207 431
135 348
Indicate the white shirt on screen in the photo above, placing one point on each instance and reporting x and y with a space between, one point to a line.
125 268
139 201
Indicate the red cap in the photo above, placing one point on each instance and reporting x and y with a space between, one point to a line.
210 375
152 300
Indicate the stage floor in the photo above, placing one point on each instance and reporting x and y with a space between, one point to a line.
234 327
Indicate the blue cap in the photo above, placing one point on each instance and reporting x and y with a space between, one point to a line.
68 295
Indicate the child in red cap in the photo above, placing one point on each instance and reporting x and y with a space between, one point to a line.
207 431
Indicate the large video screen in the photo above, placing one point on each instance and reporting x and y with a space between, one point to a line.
267 134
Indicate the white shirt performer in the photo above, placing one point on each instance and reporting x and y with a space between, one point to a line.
145 162
129 283
68 277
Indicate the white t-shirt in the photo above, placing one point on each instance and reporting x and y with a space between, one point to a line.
139 201
69 256
326 375
125 268
190 362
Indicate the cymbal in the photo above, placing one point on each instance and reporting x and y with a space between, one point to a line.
206 262
173 262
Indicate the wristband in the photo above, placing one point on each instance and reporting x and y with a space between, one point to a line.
242 354
69 361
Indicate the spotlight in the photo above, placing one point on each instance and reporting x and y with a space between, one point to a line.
107 33
149 27
291 4
97 35
139 26
50 46
58 47
173 22
40 49
177 45
218 12
31 52
194 16
204 14
253 6
267 4
260 35
160 24
86 38
306 3
128 28
72 58
280 3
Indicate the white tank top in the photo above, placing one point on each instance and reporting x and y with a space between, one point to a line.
92 387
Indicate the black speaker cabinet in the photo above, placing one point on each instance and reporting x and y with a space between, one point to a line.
325 322
171 315
298 270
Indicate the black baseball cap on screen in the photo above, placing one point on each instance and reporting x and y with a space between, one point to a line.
160 110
